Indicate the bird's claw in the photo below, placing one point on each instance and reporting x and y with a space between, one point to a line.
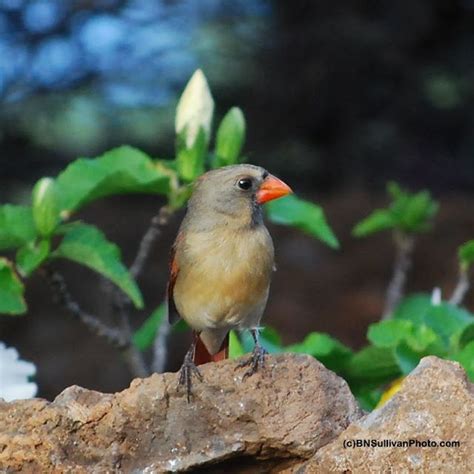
185 375
256 361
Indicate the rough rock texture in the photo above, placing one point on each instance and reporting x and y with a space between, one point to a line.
279 417
292 418
436 403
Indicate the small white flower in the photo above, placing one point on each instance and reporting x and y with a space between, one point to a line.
14 373
436 297
195 109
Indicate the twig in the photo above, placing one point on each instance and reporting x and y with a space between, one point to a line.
132 355
404 246
160 347
462 286
63 297
157 224
116 337
120 300
121 303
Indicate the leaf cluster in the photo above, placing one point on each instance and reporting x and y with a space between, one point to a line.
410 213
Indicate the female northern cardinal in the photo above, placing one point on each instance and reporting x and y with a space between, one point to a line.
221 263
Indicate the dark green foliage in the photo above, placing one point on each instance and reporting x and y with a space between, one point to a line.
11 290
87 245
17 226
144 337
303 215
408 213
466 253
119 171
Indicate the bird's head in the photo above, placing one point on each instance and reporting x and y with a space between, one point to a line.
236 192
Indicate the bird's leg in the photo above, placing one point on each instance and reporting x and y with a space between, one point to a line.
257 360
189 368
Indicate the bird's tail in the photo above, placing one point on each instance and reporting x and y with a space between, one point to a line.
202 355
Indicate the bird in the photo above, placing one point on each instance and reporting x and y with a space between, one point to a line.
221 264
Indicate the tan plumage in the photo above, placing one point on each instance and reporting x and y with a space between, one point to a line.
223 281
223 256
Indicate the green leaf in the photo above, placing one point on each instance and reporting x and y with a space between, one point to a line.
394 190
466 253
235 347
389 334
413 308
372 366
190 161
407 358
45 206
31 256
466 359
119 171
330 352
410 213
143 338
466 335
379 220
413 212
16 226
87 245
303 215
11 290
448 321
230 138
409 355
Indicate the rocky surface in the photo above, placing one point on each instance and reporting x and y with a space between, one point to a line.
275 419
294 417
436 403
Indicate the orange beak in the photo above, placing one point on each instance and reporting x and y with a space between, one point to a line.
272 188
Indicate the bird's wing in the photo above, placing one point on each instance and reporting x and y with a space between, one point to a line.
173 314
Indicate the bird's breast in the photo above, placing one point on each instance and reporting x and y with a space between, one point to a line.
223 277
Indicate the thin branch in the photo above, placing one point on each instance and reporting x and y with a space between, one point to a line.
119 299
63 297
154 231
462 286
118 338
132 355
404 247
160 347
121 303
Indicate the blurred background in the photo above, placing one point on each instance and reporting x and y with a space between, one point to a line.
339 97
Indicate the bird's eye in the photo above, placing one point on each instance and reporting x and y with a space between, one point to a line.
244 183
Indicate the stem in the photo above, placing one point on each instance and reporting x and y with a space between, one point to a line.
462 286
404 246
133 357
121 302
157 224
118 338
160 347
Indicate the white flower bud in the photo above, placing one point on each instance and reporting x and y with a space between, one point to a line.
195 109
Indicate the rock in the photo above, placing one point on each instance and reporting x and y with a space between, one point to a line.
274 419
436 403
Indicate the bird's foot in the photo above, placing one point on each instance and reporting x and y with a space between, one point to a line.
188 369
256 361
